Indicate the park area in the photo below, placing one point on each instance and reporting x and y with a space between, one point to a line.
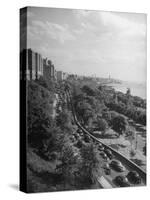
124 145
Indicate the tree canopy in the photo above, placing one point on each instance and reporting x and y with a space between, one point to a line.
119 124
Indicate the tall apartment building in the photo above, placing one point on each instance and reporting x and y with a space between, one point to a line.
65 75
61 76
52 70
39 65
55 75
46 68
31 64
49 70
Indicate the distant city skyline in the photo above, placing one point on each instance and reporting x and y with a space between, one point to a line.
90 42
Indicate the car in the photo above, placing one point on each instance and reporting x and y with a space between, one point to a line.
79 131
134 177
109 153
72 138
121 181
117 166
100 147
87 138
75 135
107 169
106 166
103 155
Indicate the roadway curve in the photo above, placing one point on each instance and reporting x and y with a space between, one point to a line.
117 155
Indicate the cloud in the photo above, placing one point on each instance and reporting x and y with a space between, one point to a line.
55 31
122 25
59 32
101 22
91 41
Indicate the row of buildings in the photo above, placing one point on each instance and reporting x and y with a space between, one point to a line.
33 66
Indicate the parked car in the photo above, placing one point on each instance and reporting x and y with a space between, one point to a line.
134 177
106 166
103 155
72 138
121 181
79 131
87 138
108 153
101 147
117 165
107 169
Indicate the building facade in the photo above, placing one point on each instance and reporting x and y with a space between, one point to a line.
61 76
39 65
48 69
31 64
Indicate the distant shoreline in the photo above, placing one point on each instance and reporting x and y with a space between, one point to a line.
138 90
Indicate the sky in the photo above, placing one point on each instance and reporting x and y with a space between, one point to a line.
90 42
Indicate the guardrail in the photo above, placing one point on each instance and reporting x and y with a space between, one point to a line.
117 154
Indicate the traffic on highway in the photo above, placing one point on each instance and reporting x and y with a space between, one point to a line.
116 169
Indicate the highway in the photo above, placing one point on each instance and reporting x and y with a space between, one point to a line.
128 164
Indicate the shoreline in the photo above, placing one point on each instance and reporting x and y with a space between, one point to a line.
122 87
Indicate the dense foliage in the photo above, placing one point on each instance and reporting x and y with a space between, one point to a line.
56 152
101 107
59 156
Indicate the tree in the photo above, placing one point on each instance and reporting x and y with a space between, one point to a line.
63 120
102 125
128 92
101 88
107 116
70 162
88 90
85 111
89 165
47 83
119 124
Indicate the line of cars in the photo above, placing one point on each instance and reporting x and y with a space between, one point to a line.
132 178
